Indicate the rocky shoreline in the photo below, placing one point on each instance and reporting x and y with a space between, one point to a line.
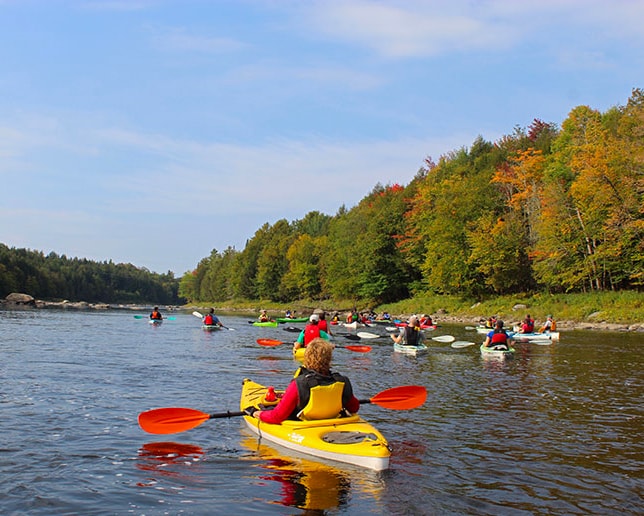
25 301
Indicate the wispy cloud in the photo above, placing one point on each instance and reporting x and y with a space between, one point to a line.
118 5
182 39
410 29
418 28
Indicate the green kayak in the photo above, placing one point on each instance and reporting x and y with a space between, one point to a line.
293 320
269 324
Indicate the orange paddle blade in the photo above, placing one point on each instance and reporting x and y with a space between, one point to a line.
401 398
171 420
269 342
359 349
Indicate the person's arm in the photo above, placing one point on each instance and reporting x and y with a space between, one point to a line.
353 405
488 340
396 338
283 409
300 341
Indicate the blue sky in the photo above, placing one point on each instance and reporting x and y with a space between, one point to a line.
153 131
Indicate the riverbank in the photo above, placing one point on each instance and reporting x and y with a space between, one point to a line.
620 312
600 311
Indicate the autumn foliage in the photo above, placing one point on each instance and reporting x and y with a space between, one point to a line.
544 208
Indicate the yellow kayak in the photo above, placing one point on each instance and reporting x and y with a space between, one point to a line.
298 354
348 439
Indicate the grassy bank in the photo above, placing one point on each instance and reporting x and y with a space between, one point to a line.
611 307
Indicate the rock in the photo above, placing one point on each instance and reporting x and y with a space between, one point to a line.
20 299
519 306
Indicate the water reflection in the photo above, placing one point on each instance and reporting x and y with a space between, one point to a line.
309 484
167 459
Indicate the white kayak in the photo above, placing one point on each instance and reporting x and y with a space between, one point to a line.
484 330
492 352
549 335
410 350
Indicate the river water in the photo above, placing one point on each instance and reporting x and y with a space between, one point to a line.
555 430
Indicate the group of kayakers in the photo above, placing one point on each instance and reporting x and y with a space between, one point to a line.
316 392
499 339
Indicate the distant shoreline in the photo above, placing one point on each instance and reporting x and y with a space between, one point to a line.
452 319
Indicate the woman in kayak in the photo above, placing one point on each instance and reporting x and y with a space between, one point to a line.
156 315
410 335
497 338
311 331
316 393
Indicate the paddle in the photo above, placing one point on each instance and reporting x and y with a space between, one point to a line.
273 343
197 314
462 344
176 419
444 338
367 335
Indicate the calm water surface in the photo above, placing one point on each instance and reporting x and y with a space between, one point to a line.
556 430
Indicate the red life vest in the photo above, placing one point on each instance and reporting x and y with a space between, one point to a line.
311 331
208 320
323 326
499 338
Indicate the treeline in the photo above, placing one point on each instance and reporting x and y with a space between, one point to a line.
54 277
546 208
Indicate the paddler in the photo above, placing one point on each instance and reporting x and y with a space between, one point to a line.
410 335
549 325
322 323
211 319
311 331
498 338
316 393
156 315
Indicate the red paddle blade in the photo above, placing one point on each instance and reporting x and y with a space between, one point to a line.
269 342
359 349
401 398
171 420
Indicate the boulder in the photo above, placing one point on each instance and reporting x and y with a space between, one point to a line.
20 299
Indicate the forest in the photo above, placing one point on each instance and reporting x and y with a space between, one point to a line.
54 277
547 208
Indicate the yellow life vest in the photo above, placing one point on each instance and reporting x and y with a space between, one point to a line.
325 402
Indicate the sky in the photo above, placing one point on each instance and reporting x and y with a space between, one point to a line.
153 132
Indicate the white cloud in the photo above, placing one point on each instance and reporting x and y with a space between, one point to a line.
419 28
